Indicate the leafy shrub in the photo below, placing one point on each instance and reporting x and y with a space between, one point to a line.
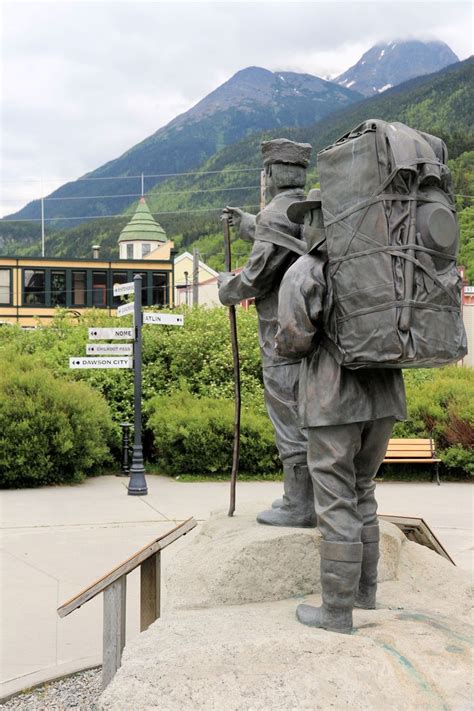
51 431
441 405
198 358
195 436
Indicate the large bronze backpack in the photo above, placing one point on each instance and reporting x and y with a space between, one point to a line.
394 291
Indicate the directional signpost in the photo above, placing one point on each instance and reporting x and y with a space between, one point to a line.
137 484
119 356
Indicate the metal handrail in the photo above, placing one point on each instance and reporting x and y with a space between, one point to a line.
114 586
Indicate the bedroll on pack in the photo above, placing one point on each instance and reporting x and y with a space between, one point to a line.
394 292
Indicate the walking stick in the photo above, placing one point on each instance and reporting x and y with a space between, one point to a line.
235 356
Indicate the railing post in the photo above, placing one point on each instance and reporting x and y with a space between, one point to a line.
115 598
150 591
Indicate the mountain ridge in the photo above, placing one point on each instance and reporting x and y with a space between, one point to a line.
267 99
388 64
438 103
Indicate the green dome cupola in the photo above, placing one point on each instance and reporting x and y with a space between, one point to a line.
141 235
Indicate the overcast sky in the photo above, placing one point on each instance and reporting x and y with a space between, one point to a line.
84 81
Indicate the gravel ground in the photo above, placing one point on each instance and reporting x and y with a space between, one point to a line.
79 691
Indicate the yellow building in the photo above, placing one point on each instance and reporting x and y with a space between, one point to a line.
183 278
32 287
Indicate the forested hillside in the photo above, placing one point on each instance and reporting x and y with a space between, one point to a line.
252 100
439 103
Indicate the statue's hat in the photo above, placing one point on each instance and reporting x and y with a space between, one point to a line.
296 211
282 150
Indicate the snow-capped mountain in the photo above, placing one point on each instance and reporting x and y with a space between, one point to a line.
390 63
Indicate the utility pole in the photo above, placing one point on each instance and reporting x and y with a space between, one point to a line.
143 185
186 282
195 277
42 226
263 187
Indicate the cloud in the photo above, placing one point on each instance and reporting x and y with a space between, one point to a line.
84 81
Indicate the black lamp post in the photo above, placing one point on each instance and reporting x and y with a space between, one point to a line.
125 470
137 485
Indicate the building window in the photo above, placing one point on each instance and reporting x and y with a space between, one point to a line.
144 276
99 288
160 289
35 286
129 251
146 249
118 278
58 288
5 286
78 288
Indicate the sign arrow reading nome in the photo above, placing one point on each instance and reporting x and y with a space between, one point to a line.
96 334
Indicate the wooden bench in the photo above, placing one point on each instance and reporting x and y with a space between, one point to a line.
412 451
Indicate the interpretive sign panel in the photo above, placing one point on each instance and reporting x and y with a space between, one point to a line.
109 349
117 362
163 319
123 289
125 309
96 334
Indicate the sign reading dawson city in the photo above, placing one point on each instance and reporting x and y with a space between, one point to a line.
87 363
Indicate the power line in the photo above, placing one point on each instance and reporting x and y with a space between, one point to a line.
33 291
133 177
149 196
122 216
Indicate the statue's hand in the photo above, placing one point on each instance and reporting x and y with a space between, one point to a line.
242 222
223 278
234 215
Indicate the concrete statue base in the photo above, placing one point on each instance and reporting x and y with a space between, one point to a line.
229 638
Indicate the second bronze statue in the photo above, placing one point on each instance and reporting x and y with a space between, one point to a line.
285 164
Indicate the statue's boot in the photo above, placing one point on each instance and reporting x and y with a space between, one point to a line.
278 503
297 509
367 592
340 573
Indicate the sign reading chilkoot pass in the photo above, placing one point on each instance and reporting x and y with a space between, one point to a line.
96 334
109 349
117 362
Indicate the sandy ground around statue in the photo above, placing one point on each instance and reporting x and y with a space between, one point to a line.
413 651
56 540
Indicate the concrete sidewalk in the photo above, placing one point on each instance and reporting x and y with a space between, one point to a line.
57 540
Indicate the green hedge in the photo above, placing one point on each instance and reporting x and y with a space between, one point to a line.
195 436
197 358
51 431
441 405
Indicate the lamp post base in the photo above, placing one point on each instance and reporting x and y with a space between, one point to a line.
137 485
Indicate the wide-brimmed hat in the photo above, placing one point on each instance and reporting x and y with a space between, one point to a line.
282 150
296 211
